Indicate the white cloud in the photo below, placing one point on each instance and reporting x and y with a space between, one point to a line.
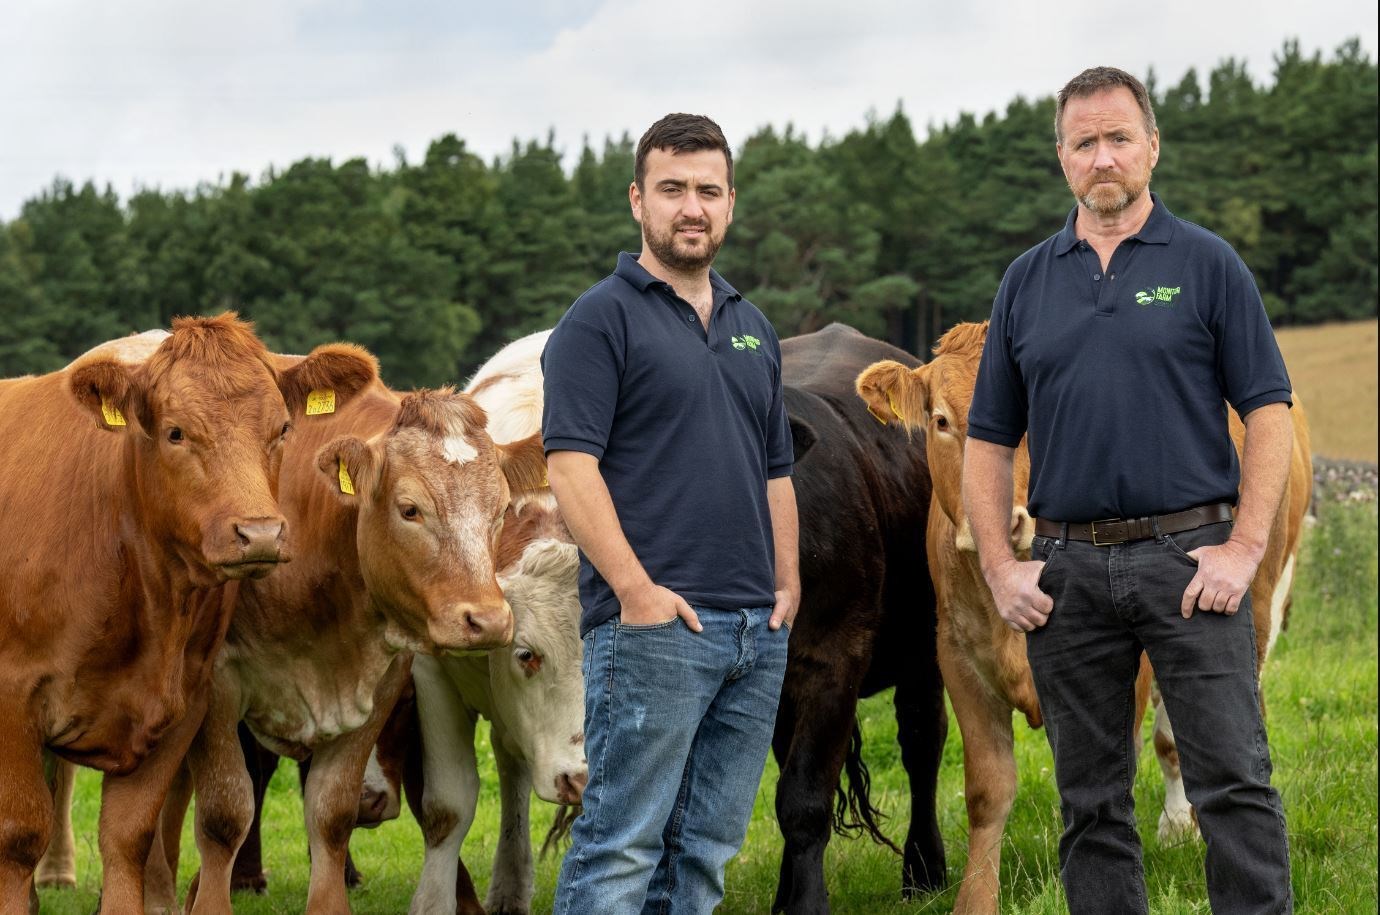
168 94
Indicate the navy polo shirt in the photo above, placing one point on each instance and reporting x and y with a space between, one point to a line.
688 426
1120 380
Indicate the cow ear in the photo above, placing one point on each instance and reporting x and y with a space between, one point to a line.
803 437
349 467
110 391
892 392
327 377
524 464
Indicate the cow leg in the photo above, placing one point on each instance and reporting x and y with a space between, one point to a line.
989 778
353 878
27 822
510 888
450 789
781 740
1176 820
58 866
248 871
805 791
922 726
224 797
130 807
333 789
160 872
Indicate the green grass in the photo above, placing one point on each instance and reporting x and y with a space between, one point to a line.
1320 688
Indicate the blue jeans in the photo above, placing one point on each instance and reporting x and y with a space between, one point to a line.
677 728
1110 602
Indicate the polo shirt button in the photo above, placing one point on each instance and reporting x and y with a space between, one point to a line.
1097 276
690 318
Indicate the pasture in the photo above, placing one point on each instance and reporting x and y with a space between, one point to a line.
1320 688
1333 368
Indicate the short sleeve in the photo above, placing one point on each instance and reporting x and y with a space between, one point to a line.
780 448
580 381
998 411
1250 367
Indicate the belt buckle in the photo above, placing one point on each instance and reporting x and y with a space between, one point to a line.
1097 542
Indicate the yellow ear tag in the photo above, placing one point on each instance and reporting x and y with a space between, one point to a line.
347 485
891 401
321 401
112 414
875 416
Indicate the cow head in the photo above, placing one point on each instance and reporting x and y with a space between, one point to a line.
935 396
431 494
205 414
537 684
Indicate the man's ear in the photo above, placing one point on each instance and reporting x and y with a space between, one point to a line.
349 467
110 391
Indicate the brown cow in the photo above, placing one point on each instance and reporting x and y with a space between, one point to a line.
396 503
134 500
983 661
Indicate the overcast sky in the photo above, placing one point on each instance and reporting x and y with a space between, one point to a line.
157 93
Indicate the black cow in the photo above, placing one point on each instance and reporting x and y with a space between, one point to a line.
867 619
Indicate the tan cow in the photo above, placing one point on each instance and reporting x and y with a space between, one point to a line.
983 661
397 504
532 692
133 500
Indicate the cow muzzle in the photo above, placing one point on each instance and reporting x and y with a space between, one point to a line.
472 626
257 547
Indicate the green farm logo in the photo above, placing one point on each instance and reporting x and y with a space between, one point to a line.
1163 296
746 341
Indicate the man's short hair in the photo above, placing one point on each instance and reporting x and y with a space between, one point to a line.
681 133
1099 79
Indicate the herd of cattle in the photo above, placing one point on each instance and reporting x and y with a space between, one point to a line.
155 490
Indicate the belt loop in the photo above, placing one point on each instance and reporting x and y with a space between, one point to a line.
1155 524
1063 540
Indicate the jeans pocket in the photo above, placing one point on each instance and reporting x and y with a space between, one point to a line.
1043 549
588 654
1178 550
647 627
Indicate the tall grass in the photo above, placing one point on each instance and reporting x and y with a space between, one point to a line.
1320 688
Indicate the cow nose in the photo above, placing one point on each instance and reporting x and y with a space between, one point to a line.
260 539
570 787
476 627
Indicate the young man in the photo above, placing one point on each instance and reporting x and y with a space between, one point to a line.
670 456
1115 346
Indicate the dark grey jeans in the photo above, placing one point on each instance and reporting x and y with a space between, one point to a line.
1110 602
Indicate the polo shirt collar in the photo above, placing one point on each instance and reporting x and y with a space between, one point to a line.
636 275
1158 228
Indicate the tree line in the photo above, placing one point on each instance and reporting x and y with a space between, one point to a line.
434 265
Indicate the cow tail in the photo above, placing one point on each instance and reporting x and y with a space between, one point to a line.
853 810
559 833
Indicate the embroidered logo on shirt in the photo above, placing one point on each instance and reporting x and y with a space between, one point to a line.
746 341
1163 296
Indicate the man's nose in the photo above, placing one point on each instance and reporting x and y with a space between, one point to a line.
1104 158
691 205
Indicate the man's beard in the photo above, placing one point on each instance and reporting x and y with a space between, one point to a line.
668 250
1110 199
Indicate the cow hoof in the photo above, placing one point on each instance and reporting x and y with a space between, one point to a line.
249 883
56 881
1178 826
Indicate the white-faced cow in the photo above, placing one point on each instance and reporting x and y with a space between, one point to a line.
135 499
983 661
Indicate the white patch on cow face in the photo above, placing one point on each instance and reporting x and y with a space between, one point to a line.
458 450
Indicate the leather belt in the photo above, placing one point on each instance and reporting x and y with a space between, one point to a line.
1124 530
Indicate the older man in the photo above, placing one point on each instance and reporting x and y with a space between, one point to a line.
670 456
1115 346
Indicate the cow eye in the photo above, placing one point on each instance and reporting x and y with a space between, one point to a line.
286 427
941 422
524 655
175 435
411 512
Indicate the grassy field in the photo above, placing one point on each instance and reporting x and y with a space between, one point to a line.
1333 368
1320 687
